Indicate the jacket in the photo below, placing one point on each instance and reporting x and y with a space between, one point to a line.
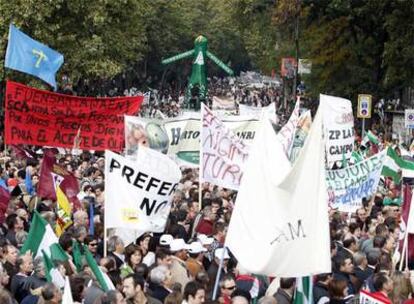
282 297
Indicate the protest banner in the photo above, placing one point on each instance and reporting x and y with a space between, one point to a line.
224 153
366 297
269 110
347 187
180 137
43 118
338 123
280 226
286 135
138 193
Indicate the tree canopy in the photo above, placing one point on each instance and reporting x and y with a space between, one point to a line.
355 45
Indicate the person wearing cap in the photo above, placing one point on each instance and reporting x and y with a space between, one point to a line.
195 261
178 268
165 240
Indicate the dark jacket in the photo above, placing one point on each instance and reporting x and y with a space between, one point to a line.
158 292
118 261
282 297
345 277
320 291
16 287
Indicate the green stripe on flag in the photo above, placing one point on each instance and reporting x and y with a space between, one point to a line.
36 233
303 294
95 269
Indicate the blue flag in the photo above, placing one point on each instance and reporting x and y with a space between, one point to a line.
29 56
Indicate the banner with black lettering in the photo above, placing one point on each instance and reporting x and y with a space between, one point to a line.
347 187
180 137
43 118
224 154
338 122
138 193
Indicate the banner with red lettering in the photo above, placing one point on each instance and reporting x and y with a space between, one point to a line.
223 153
44 118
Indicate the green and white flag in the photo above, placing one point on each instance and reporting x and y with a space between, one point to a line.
395 166
369 137
101 277
392 166
41 239
303 293
52 273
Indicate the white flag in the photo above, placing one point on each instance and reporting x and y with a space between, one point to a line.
223 153
280 223
138 193
67 293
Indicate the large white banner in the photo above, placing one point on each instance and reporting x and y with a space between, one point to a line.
347 187
138 193
258 112
280 225
180 137
223 152
338 123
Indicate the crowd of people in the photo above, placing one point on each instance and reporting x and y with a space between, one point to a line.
184 263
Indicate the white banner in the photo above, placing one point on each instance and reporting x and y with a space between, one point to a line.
257 112
180 137
223 152
138 193
280 225
338 123
347 187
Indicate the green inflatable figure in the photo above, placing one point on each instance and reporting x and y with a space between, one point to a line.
198 77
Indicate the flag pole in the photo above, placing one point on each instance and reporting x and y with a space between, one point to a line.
404 250
200 165
216 283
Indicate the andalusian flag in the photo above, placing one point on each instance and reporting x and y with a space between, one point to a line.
395 166
303 293
52 273
42 239
392 166
370 137
101 277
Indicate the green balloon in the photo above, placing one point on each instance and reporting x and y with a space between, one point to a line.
157 137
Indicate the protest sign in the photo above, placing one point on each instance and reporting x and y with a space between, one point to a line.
286 135
138 193
366 297
338 123
409 118
347 187
224 153
43 118
180 137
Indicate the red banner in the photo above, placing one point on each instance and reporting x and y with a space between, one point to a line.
44 118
